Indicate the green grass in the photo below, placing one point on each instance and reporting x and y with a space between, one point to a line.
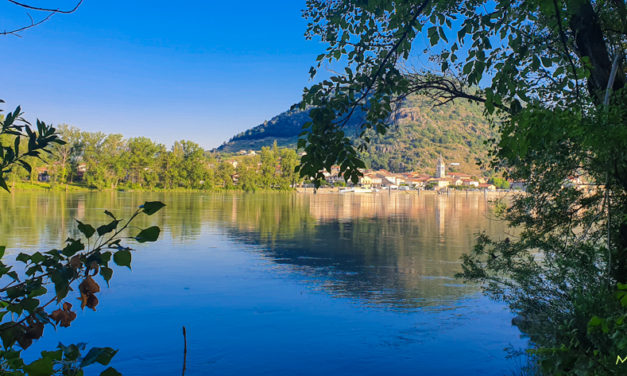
22 186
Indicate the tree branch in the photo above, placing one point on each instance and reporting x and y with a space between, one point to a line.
51 12
384 62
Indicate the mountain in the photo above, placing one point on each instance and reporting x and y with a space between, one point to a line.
419 132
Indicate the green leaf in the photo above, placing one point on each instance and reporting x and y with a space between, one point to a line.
432 32
9 332
2 249
39 291
29 304
3 184
594 321
110 214
72 247
86 229
110 372
40 367
36 258
105 229
106 273
149 234
101 355
122 258
53 355
151 207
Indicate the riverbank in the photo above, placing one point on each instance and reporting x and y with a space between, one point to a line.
450 192
40 186
73 187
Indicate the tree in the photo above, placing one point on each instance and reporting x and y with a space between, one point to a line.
269 161
551 76
247 176
191 163
141 156
224 175
105 159
65 155
289 161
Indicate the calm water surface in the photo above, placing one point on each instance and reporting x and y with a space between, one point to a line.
284 284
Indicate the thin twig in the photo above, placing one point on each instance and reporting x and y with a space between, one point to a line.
50 11
184 350
384 62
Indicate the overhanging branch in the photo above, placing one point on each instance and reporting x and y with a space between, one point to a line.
50 12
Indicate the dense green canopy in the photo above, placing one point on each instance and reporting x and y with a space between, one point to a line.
551 76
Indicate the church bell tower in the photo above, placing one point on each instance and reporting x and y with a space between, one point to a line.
440 171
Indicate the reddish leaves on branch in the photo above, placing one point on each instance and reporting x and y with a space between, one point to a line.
87 289
64 316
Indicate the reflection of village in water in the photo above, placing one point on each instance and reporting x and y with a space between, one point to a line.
399 249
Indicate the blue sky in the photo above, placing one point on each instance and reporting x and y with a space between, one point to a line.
197 70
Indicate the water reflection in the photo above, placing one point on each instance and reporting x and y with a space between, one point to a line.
334 284
400 250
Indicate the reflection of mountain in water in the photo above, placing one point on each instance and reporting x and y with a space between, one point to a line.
400 250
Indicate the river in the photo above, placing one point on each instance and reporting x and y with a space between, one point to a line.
284 284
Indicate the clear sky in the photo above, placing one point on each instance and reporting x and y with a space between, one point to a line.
197 70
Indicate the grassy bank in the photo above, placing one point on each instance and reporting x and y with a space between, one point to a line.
23 186
40 186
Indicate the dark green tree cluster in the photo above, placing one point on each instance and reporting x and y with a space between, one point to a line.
273 168
551 77
108 161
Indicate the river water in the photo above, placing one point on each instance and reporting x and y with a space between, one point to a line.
284 284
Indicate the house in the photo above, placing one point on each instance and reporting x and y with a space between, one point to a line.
488 187
418 181
456 181
42 174
333 176
81 169
438 183
470 183
370 180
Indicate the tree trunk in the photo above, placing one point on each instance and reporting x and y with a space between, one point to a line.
590 44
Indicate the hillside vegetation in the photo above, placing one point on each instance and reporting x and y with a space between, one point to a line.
419 133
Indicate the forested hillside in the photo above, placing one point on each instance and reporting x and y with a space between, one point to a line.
420 132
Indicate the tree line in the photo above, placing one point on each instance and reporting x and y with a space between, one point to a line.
109 161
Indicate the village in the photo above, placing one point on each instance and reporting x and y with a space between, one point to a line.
374 180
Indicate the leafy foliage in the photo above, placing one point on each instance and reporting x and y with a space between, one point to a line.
14 132
551 77
101 161
41 279
49 278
